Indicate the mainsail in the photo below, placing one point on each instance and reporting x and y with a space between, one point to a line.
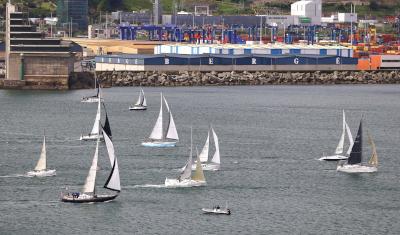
374 158
140 99
113 181
216 157
339 148
91 178
198 174
157 133
171 131
204 152
144 103
41 164
356 151
96 125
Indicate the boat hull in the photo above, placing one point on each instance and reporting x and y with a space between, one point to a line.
333 158
216 211
90 137
356 169
174 183
207 167
43 173
159 144
91 100
138 108
84 198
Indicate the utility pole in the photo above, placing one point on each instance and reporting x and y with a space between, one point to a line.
260 29
351 24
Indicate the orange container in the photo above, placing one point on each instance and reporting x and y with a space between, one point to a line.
363 64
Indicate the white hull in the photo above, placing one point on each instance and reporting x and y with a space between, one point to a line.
207 166
333 158
174 183
356 169
159 144
90 137
216 211
91 99
42 173
137 107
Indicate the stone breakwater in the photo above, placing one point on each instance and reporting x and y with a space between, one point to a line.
183 78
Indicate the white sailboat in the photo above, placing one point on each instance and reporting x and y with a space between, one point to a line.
141 103
41 166
185 179
354 162
215 162
157 137
340 147
88 193
93 98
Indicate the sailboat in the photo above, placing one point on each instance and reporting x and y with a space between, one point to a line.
339 149
41 166
95 130
157 137
354 162
88 193
141 103
93 98
215 163
185 179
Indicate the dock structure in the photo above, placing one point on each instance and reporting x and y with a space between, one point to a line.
33 61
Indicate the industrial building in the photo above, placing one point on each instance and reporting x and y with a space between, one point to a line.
33 61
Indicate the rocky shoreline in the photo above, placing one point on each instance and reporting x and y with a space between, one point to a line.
184 78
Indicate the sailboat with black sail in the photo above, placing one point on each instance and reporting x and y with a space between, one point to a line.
354 162
89 193
159 137
141 103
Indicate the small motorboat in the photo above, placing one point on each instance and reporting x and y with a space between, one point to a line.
216 210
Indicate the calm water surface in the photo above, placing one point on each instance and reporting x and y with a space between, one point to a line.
270 138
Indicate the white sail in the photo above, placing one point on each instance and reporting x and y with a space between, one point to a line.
204 152
157 133
95 129
41 164
113 181
172 133
216 158
144 103
339 148
350 139
139 101
91 178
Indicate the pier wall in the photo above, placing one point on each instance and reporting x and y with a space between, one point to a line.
196 78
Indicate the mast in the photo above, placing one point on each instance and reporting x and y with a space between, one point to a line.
356 151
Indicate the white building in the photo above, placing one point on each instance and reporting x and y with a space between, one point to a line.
340 18
309 11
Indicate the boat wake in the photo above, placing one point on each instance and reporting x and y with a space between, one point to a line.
15 176
149 186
